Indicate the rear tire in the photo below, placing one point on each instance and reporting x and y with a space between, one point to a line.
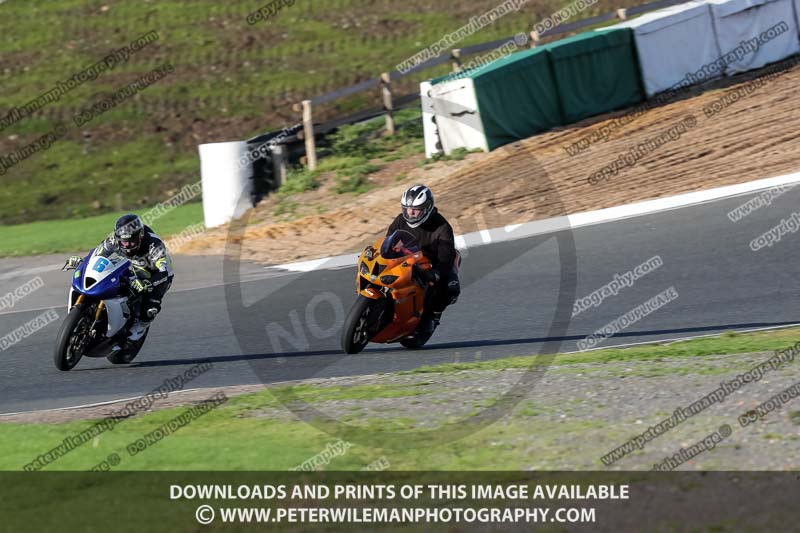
355 335
69 349
417 341
127 355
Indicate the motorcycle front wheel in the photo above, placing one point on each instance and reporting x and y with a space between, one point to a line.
73 338
356 333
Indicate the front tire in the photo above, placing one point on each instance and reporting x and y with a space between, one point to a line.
73 338
356 332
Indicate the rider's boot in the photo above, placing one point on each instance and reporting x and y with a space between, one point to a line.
430 322
138 329
140 326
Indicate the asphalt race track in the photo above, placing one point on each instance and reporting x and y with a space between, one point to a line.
507 307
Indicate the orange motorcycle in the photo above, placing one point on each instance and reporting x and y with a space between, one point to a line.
391 295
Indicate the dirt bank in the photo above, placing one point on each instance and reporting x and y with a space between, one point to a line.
756 136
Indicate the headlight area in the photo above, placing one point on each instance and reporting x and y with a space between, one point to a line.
364 269
388 279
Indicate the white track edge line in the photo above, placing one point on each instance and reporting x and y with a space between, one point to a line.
551 225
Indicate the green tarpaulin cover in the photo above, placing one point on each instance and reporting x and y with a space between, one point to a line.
535 90
517 97
596 72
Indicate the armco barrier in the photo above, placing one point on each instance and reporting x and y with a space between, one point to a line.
455 55
571 112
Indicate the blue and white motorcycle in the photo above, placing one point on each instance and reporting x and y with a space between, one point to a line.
102 310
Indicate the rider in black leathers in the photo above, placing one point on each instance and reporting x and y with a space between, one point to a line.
149 258
433 233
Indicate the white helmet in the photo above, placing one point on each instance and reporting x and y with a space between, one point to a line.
417 197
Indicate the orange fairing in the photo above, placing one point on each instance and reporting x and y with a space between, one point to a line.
392 278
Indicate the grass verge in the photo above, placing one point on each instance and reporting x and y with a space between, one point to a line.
79 235
256 432
728 343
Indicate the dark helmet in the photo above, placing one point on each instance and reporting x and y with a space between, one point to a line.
418 198
129 233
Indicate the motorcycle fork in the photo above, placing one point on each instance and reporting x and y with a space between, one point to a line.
98 313
385 315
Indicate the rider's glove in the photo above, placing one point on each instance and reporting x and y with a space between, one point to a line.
72 263
141 285
369 251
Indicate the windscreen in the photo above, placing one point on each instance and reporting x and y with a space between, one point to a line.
399 244
112 254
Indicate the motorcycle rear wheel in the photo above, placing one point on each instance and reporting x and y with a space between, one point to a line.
128 354
417 341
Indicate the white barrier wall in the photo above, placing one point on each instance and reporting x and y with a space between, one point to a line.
432 144
797 15
457 115
226 181
673 44
741 25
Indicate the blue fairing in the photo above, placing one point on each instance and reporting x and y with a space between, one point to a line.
105 288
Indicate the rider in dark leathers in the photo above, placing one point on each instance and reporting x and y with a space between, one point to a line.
433 233
150 260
